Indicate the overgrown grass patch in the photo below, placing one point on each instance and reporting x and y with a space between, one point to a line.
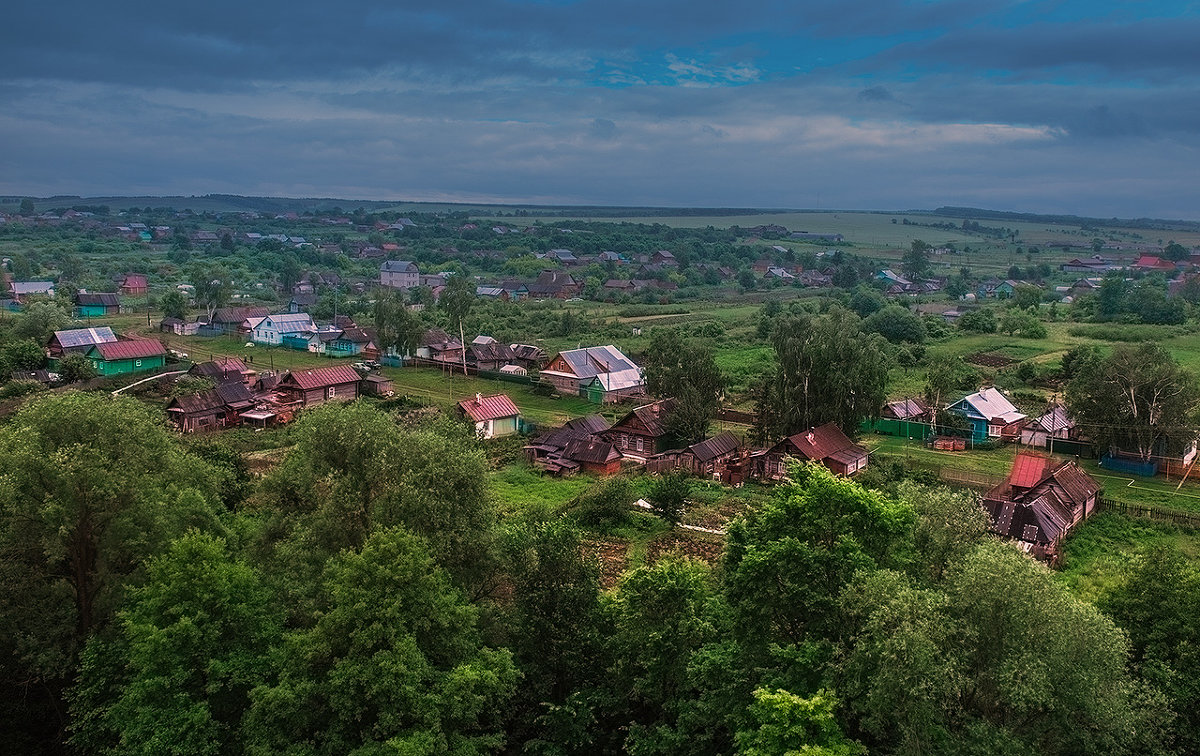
1098 552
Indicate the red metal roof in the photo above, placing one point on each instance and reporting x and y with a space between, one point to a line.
130 350
322 377
489 407
821 442
1028 470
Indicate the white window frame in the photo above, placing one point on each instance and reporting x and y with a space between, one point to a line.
330 392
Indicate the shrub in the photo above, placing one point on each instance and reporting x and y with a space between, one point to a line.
978 321
20 388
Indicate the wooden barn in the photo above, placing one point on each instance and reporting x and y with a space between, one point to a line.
1040 502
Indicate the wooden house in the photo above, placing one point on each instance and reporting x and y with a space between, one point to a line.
1040 502
549 450
134 285
217 408
439 346
826 444
301 302
230 320
642 432
132 356
494 416
485 353
990 414
96 305
704 459
319 385
573 370
593 455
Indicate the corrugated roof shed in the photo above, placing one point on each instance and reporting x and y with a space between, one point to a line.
720 444
289 321
1028 470
97 299
591 450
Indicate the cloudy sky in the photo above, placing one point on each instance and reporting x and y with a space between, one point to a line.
1080 106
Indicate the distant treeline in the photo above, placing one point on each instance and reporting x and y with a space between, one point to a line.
1072 220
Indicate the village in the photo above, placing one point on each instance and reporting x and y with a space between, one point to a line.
638 412
268 363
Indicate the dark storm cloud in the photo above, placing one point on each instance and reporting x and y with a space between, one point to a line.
1154 49
855 104
875 94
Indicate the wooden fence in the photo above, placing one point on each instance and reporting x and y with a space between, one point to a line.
1149 512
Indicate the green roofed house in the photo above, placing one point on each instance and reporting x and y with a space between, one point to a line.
134 356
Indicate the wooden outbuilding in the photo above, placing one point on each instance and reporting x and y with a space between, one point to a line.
1040 502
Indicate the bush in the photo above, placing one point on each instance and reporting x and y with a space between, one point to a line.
75 368
668 495
978 321
20 388
605 505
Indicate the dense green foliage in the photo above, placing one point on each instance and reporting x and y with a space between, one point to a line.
363 597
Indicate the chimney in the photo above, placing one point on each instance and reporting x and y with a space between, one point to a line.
809 437
478 398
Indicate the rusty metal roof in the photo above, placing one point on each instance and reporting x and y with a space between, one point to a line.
322 377
129 350
493 407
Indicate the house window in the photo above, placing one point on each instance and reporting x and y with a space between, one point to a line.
994 431
639 443
329 392
137 363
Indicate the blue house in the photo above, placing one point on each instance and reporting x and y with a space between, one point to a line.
991 415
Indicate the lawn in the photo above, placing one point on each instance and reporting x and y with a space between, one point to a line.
1098 552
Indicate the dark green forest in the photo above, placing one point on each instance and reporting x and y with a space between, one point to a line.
365 596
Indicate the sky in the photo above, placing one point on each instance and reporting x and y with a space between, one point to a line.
1089 107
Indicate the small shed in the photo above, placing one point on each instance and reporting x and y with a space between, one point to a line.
494 416
377 385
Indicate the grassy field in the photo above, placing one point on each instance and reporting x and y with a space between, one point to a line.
1098 552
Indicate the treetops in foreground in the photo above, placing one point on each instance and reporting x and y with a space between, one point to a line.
368 596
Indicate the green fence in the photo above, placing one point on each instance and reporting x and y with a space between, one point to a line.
902 428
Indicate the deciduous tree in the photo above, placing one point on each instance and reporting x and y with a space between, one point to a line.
828 371
395 664
1139 400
